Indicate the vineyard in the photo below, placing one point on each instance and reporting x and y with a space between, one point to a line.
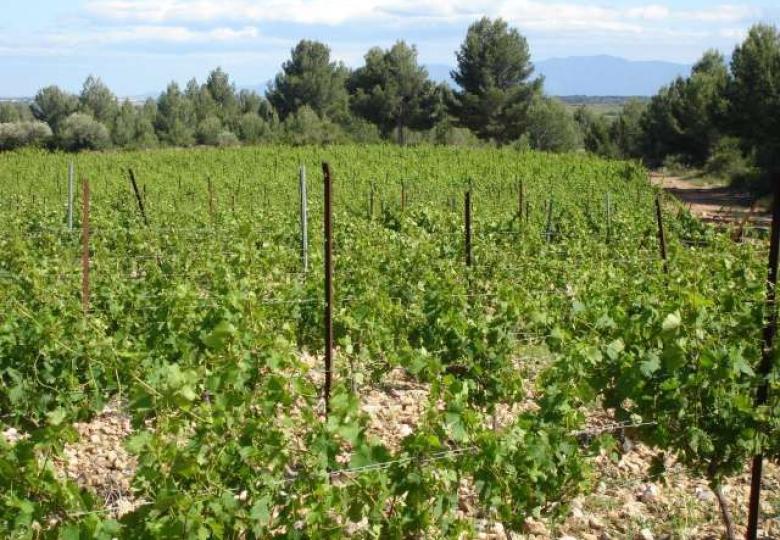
501 321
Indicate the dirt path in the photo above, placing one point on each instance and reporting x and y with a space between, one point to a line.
715 204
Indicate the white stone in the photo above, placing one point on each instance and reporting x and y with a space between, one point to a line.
649 493
704 494
645 534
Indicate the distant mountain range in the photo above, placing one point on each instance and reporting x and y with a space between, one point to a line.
595 75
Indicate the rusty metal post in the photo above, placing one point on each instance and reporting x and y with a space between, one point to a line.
661 235
520 197
328 218
467 225
304 220
770 330
138 197
85 247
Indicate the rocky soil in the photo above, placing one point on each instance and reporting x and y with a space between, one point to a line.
625 501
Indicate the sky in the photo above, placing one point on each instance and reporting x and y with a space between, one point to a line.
139 46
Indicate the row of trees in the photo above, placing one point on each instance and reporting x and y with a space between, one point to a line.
316 100
723 118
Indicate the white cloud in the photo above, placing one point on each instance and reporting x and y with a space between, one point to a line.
725 13
157 34
533 14
652 12
541 16
247 25
204 11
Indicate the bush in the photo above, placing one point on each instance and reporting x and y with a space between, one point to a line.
728 161
252 129
523 144
15 112
18 134
677 165
551 127
595 129
82 132
209 130
305 127
227 138
361 131
446 134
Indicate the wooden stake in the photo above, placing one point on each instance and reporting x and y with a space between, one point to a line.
328 217
770 331
85 247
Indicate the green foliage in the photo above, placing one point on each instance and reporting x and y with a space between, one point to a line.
175 122
223 92
199 97
722 119
227 138
551 127
252 129
133 127
82 132
595 130
18 134
494 70
687 117
360 131
627 131
209 130
755 93
310 79
98 101
52 106
681 359
393 91
728 160
204 335
444 133
305 126
11 112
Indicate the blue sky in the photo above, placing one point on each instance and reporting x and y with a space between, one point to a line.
138 46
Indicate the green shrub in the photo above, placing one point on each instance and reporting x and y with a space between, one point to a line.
80 131
677 165
728 161
18 134
551 127
209 130
444 133
361 131
306 127
252 129
227 138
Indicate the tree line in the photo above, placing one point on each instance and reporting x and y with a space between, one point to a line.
315 100
723 119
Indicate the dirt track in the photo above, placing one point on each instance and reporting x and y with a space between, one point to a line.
716 204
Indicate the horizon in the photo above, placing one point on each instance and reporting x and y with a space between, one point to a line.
138 47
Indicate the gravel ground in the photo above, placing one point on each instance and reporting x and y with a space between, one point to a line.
624 501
